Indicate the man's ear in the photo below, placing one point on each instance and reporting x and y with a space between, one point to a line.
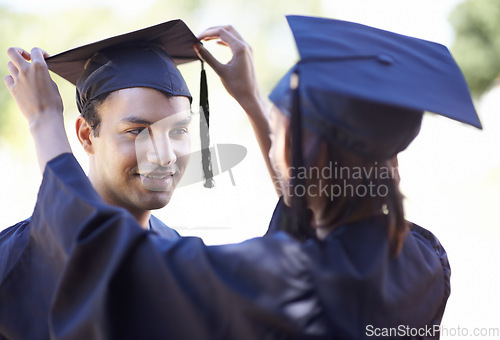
84 134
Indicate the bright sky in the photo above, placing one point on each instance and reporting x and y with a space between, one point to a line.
426 19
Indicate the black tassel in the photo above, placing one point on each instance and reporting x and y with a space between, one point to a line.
206 160
300 224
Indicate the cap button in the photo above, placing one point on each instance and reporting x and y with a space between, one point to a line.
385 59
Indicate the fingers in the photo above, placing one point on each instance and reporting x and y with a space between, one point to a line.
18 56
20 67
12 69
228 37
211 33
39 51
223 43
234 32
24 53
223 34
38 56
208 57
9 81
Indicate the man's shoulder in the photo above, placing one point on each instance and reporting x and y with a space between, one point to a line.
162 229
13 241
14 232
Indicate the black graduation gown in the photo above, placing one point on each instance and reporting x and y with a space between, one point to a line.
120 282
30 264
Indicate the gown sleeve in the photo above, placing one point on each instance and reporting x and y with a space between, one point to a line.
122 282
162 229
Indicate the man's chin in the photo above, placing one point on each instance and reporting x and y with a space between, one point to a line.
155 200
157 206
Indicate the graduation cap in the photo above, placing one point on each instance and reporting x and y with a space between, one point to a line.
365 89
143 58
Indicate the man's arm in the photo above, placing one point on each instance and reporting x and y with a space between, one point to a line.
240 81
38 99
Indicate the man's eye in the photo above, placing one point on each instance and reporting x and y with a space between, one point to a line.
135 131
179 131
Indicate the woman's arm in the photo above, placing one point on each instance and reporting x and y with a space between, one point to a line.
38 99
240 81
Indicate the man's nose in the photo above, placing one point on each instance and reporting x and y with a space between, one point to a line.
162 152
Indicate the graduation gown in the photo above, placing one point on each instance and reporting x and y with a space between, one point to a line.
30 264
118 281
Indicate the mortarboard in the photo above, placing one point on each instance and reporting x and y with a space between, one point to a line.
365 89
143 58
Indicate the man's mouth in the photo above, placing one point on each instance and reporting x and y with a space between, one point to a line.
157 176
157 181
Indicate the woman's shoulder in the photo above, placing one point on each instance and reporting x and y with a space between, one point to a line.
426 237
429 244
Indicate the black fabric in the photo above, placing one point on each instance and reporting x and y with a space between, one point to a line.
206 157
29 275
162 229
175 38
122 282
129 66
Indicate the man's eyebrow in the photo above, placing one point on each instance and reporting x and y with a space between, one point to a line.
135 120
142 121
183 122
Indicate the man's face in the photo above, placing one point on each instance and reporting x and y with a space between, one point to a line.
141 151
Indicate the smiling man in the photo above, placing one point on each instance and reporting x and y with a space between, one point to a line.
134 126
127 168
125 85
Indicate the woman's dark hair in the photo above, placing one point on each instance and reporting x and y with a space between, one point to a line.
90 112
340 208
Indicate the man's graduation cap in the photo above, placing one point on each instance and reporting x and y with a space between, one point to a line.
143 58
365 89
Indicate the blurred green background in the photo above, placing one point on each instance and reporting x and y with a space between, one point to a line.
450 174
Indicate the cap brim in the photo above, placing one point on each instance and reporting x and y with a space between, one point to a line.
370 64
174 36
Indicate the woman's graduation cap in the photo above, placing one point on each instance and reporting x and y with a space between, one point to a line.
365 89
143 58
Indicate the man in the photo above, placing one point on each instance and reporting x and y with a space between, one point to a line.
134 126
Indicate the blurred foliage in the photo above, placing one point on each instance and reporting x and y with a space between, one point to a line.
8 29
54 33
477 42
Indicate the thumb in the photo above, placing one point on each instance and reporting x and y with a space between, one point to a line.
206 56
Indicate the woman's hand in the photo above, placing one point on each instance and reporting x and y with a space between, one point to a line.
30 84
240 80
238 75
38 99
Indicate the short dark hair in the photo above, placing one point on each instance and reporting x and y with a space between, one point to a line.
90 114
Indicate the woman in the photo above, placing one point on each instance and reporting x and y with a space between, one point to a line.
347 264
